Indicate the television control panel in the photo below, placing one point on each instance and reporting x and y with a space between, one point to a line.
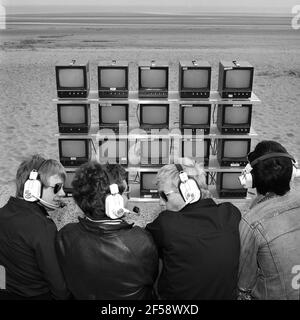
113 94
72 94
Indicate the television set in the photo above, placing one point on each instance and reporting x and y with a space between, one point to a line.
153 81
234 118
113 151
154 116
154 152
74 118
74 152
195 117
148 187
113 116
68 189
233 152
113 80
228 185
194 79
196 149
235 79
72 80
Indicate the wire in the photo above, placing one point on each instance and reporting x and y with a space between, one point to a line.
137 114
214 111
94 146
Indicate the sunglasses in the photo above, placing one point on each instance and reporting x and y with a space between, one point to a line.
57 187
164 195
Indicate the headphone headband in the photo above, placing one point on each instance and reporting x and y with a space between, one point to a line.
178 167
272 155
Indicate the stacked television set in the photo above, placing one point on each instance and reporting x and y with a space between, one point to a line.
153 80
211 122
73 80
235 83
194 79
113 80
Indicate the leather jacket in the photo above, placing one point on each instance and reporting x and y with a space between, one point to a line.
107 259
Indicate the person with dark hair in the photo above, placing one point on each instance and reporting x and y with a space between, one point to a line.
102 256
270 230
27 233
198 240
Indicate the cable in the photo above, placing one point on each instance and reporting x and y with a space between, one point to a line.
137 114
214 111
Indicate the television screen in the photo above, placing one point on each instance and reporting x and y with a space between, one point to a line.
69 179
235 148
73 148
71 77
113 149
72 114
122 149
195 78
193 148
113 78
231 180
196 115
112 114
236 115
153 78
238 79
154 114
149 181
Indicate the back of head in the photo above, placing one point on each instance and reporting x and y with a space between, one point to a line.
90 188
116 174
45 168
273 174
168 176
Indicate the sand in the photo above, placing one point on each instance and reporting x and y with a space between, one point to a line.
28 120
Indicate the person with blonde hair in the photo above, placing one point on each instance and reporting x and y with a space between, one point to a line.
197 239
27 233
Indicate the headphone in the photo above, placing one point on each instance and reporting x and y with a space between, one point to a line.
114 202
246 178
187 186
33 190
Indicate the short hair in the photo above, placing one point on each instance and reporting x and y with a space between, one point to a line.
273 174
168 176
49 168
117 174
45 168
91 186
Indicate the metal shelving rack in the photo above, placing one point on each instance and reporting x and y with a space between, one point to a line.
174 101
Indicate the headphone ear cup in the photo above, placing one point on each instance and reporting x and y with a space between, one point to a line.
32 190
190 191
114 206
296 172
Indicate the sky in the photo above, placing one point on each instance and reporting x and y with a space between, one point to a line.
280 6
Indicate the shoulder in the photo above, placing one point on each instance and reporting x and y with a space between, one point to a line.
229 208
68 229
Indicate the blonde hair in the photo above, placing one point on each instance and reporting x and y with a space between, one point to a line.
168 177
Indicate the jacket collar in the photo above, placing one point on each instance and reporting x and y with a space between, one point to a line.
103 225
199 204
31 206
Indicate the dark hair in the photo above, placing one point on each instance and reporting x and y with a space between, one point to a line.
117 174
91 186
274 174
24 169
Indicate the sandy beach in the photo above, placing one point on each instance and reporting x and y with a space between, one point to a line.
28 54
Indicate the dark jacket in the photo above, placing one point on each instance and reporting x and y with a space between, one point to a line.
200 249
107 259
27 251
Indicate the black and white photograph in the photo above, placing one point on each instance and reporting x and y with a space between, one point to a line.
149 153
